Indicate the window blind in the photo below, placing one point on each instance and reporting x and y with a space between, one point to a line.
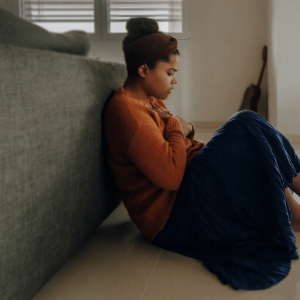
168 14
60 16
57 15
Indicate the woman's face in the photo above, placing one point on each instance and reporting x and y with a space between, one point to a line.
160 81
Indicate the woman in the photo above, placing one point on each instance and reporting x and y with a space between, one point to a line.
228 203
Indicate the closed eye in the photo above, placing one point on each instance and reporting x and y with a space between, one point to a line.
170 74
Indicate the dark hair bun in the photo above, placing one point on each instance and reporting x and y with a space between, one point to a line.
142 25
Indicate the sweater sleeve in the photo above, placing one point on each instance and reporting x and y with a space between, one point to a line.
161 158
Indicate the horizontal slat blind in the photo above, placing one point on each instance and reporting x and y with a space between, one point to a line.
60 16
168 14
58 11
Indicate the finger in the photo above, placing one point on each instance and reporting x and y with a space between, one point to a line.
152 104
156 107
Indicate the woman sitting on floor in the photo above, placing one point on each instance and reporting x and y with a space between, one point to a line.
227 203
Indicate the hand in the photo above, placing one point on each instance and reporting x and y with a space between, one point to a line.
162 113
185 126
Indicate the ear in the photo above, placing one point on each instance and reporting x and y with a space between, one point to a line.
143 70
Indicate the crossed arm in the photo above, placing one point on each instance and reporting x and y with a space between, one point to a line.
187 127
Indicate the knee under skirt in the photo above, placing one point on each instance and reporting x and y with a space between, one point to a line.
231 211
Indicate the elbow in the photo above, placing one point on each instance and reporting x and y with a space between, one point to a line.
176 186
171 179
172 185
177 177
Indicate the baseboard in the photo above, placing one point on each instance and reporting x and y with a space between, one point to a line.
293 138
207 124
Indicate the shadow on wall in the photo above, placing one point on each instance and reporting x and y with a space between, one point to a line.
263 105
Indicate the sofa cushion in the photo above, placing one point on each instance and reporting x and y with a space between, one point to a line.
54 173
19 32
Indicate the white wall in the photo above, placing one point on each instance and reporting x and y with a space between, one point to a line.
227 38
284 67
271 42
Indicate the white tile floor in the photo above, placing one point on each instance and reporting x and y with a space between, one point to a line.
118 262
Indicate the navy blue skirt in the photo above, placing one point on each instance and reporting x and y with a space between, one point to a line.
231 211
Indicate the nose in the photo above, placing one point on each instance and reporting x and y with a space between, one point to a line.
174 80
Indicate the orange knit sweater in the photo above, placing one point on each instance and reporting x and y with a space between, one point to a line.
148 157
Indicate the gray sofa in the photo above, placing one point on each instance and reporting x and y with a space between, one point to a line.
55 185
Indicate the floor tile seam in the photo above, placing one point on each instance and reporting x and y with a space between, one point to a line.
151 274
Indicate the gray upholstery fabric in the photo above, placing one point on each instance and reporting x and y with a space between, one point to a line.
19 32
52 193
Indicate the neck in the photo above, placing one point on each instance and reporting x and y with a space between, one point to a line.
134 87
